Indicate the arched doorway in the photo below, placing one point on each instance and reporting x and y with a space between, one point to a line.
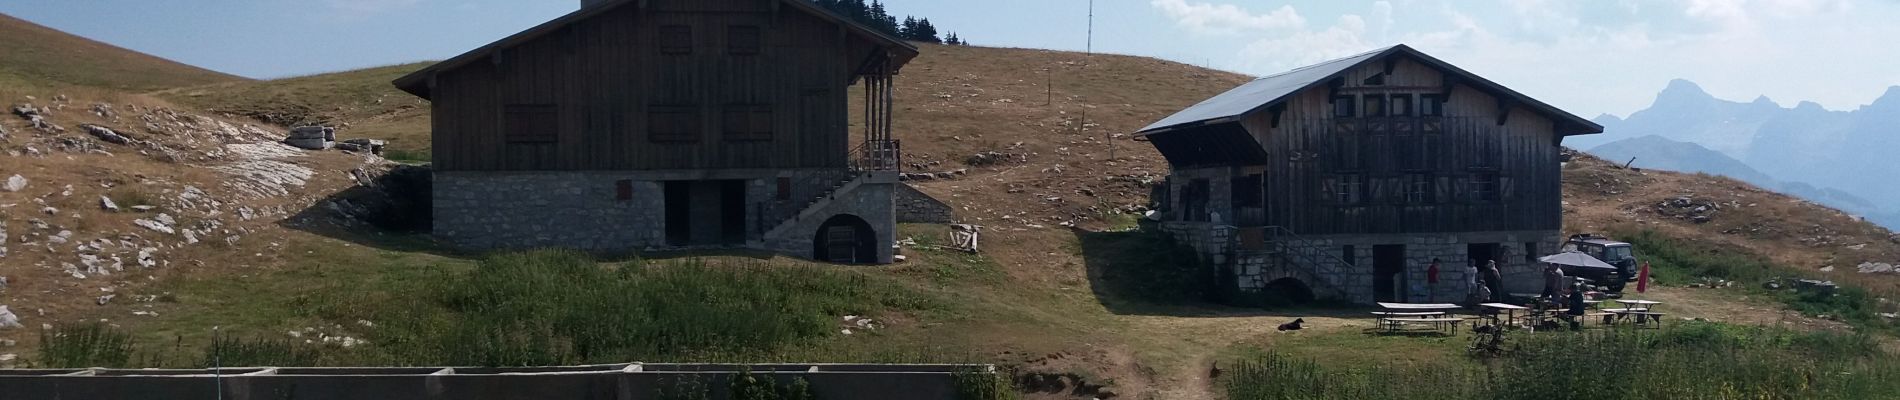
1286 292
845 239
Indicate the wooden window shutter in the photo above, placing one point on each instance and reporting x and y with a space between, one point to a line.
673 124
676 39
531 123
747 122
743 40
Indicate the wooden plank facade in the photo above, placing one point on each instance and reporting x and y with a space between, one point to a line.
657 85
1394 145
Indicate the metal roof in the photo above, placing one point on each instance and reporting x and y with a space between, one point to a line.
1252 95
1272 89
416 83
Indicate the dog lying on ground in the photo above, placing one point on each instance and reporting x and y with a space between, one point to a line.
1292 326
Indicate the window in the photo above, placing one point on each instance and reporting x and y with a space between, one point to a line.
676 39
1376 80
1350 190
1418 189
1194 201
1401 105
742 40
1530 252
673 124
1484 187
1349 255
748 122
1249 201
1431 105
1375 106
531 123
1342 106
784 188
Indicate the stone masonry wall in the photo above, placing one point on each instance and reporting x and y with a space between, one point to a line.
1354 282
914 206
871 201
581 210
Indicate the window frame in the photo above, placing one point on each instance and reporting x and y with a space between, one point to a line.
533 115
1431 105
1349 102
1420 189
1349 190
1373 106
1486 187
1393 108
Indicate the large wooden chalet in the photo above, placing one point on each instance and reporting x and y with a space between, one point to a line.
1347 178
634 125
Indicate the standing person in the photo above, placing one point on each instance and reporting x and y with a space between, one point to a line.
1553 282
1493 279
1577 306
1471 282
1431 281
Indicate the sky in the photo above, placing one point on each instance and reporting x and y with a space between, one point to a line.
1587 56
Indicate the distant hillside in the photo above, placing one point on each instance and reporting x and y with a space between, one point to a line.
1656 152
40 57
363 102
1834 157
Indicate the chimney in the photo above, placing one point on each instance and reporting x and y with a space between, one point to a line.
586 4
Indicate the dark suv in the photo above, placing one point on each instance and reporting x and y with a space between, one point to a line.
1618 254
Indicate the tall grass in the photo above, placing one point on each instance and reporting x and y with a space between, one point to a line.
86 345
1690 361
557 307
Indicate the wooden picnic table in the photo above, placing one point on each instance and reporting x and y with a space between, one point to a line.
1420 306
1644 310
1510 310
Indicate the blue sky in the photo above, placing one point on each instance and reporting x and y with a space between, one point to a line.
1587 56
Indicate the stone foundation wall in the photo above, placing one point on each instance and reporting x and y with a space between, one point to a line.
871 201
914 206
1354 281
479 210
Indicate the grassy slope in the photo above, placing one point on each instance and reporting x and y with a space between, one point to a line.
1039 297
40 57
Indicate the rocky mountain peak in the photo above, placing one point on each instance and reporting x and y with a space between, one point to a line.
1682 91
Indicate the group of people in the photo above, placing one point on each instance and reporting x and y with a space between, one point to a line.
1485 284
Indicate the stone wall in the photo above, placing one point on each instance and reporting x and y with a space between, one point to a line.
1354 282
582 209
870 200
914 206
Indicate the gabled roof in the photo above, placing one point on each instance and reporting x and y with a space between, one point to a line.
417 83
1274 88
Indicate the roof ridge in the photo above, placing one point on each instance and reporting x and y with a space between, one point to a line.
1329 62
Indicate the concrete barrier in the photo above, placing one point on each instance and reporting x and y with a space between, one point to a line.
586 382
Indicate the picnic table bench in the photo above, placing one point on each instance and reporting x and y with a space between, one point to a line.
1643 310
1409 314
1437 324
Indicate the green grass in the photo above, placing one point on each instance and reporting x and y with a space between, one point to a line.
1677 262
92 344
1688 361
40 58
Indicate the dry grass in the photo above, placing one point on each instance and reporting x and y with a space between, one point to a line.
40 57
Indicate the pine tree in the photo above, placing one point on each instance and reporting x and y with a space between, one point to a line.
908 31
952 40
857 11
927 32
881 20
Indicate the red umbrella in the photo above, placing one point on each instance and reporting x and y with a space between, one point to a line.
1642 279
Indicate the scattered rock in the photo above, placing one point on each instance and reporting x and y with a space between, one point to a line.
312 137
8 320
1876 268
155 226
144 208
15 183
102 300
105 203
106 134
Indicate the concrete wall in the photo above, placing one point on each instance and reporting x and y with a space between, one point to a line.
582 210
604 383
914 206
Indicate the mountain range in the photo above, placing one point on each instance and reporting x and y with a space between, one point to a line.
1838 158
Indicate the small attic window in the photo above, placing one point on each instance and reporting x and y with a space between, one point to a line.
1376 80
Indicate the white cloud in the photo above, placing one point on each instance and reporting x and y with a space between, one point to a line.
1208 18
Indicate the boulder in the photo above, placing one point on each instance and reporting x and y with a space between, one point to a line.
106 134
26 111
311 137
8 320
105 203
1876 268
15 183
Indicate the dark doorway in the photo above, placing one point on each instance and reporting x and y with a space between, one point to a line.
845 239
679 224
1388 273
732 215
1286 292
1484 253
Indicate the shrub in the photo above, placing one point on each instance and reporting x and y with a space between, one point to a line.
86 345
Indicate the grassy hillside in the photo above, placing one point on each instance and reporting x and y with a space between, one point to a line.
1087 312
41 57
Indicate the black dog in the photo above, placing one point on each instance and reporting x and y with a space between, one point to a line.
1292 326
